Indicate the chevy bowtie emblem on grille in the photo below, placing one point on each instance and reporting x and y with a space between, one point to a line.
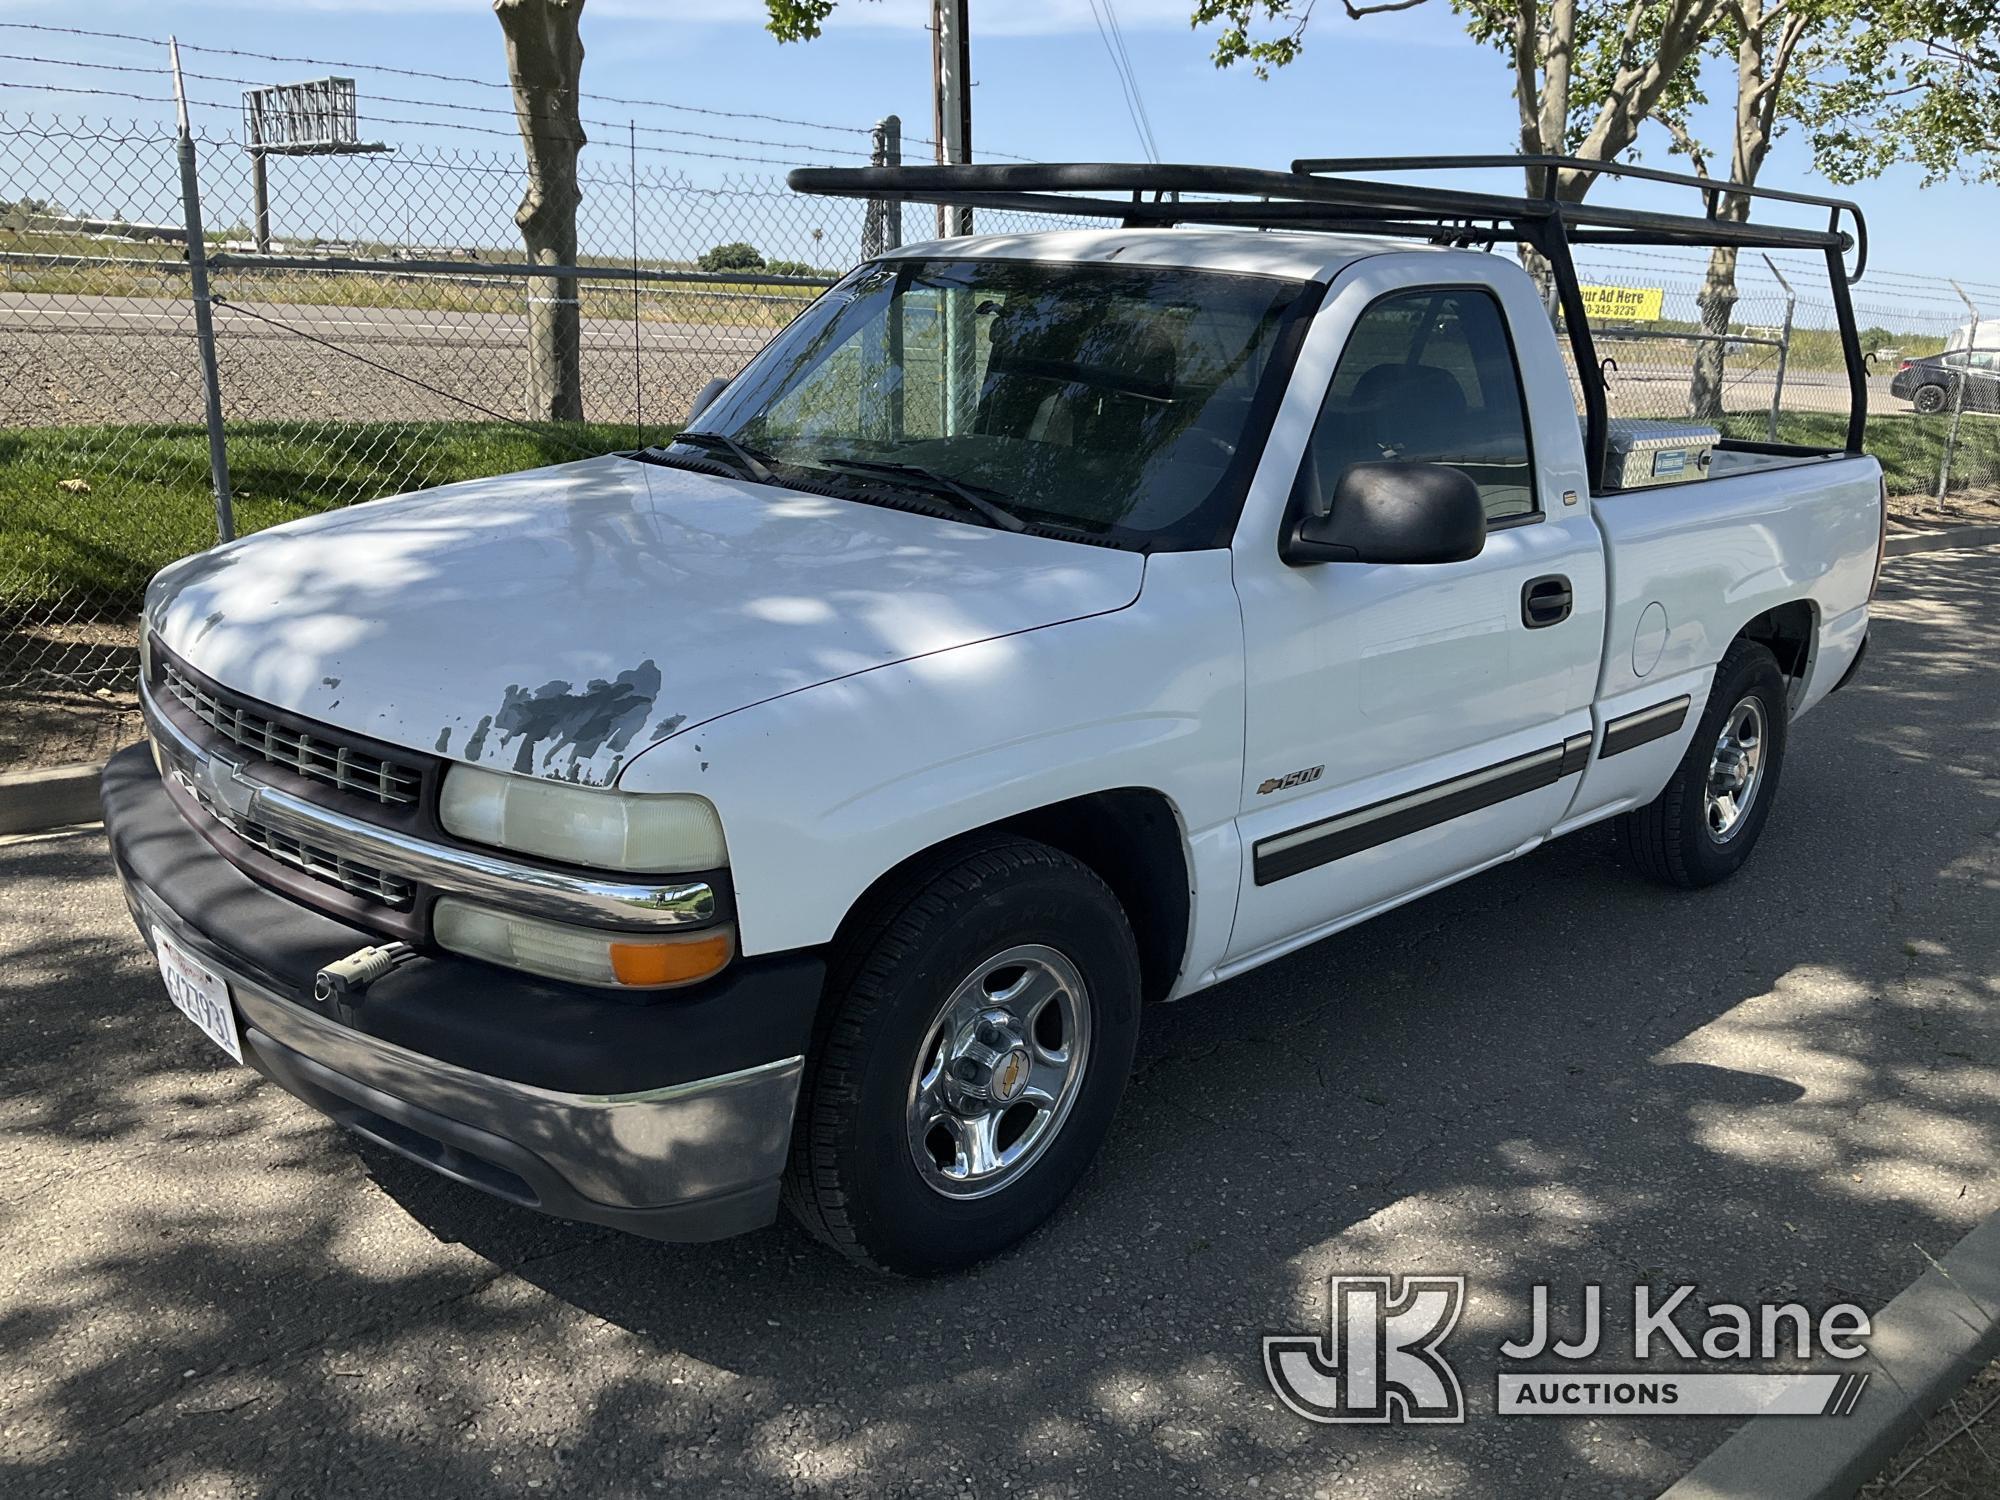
223 780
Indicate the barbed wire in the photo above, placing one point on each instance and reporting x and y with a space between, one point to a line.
513 110
457 78
1904 286
507 111
379 119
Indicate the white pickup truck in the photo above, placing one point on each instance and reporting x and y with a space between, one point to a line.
1042 625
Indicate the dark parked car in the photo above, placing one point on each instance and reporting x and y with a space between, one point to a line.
1927 383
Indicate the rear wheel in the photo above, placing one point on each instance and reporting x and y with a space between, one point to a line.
1930 399
1703 826
981 1023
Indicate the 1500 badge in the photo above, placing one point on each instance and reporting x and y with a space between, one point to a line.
1286 783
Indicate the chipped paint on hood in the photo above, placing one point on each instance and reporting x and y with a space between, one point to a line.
574 725
558 622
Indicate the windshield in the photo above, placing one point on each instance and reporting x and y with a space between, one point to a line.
1121 401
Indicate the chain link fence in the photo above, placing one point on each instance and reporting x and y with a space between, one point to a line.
1766 363
375 343
371 337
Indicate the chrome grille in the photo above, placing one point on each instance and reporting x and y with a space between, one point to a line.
349 874
318 756
363 880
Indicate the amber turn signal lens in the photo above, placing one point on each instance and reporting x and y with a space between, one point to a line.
674 961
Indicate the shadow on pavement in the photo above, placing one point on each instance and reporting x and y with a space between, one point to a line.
1782 1087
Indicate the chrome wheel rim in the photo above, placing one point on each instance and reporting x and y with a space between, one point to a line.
1736 769
998 1072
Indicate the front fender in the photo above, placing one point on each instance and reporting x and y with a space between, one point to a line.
823 791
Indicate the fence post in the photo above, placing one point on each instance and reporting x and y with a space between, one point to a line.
1957 392
882 225
1784 347
204 319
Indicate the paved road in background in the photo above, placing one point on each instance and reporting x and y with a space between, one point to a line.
1788 1086
70 359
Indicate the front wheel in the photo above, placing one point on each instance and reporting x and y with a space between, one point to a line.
1703 826
982 1019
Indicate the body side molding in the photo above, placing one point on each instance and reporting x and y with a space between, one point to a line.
1629 731
1316 844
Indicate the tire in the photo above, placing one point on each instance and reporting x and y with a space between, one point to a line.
905 1034
1675 838
1929 400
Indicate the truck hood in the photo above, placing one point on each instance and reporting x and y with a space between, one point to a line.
559 622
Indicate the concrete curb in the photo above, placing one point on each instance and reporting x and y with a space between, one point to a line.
1940 541
1938 1333
35 801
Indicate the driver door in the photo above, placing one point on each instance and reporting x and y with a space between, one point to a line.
1408 723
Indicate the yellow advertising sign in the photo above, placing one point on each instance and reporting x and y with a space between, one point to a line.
1623 304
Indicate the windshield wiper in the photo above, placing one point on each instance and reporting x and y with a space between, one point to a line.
936 483
752 464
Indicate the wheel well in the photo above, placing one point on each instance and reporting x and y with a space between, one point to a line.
1132 839
1791 632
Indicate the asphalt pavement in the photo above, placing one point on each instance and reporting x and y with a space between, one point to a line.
69 358
1787 1086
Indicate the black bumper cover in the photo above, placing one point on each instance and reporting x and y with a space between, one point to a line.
523 1111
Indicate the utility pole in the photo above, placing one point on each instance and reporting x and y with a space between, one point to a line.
951 62
882 226
951 66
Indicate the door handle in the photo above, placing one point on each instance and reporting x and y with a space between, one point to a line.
1546 601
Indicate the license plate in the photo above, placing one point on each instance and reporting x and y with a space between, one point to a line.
200 994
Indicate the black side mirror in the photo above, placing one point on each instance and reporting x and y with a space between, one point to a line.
705 398
1392 513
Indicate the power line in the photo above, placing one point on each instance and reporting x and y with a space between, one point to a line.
1126 85
1139 98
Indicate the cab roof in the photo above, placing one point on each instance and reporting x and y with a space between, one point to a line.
1297 256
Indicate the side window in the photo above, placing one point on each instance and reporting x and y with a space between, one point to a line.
1429 377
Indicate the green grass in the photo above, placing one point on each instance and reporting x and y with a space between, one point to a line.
149 502
1909 446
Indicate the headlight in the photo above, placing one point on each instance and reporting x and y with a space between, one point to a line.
145 651
580 955
665 834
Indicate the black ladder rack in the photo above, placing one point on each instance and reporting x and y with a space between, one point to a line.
1319 193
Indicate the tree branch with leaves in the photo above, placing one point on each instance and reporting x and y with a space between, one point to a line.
1873 82
1587 73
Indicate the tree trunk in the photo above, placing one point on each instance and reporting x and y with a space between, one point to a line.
1761 61
545 62
1717 302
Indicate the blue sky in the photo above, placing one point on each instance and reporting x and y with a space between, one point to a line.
1409 82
